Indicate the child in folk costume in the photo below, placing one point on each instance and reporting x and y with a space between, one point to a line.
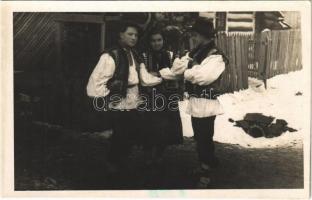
117 76
162 120
203 69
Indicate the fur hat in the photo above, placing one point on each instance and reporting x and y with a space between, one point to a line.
204 27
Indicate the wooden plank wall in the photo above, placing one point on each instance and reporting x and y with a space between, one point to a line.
33 39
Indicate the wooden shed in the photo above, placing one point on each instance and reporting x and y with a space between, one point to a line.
54 55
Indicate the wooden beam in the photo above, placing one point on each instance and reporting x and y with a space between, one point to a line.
237 12
112 18
86 18
83 18
103 29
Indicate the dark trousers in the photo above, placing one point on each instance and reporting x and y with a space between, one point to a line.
203 133
126 132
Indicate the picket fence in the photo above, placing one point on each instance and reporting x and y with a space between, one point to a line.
260 55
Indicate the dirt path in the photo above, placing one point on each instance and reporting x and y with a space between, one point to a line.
49 159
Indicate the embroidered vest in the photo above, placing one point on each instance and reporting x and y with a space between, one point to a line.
118 84
213 90
155 61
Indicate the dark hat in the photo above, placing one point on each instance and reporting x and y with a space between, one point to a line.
204 27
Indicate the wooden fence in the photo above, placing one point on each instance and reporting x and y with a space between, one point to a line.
236 47
262 55
277 52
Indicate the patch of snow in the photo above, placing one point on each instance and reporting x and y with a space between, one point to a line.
278 100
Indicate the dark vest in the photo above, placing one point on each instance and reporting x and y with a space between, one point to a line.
118 84
214 89
155 61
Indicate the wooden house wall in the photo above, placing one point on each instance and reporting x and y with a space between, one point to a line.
51 72
33 40
240 22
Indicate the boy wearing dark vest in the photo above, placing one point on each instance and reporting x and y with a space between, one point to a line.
203 69
117 76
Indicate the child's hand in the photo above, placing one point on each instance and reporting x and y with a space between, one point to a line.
179 66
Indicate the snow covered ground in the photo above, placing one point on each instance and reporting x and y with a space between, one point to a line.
279 100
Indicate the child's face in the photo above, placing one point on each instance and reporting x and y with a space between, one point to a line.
129 37
157 42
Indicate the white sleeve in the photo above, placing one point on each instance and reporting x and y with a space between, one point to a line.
171 54
180 64
207 72
167 74
148 79
103 71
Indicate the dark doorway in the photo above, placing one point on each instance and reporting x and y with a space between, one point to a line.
80 51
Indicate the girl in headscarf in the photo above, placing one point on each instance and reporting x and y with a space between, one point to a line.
162 120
